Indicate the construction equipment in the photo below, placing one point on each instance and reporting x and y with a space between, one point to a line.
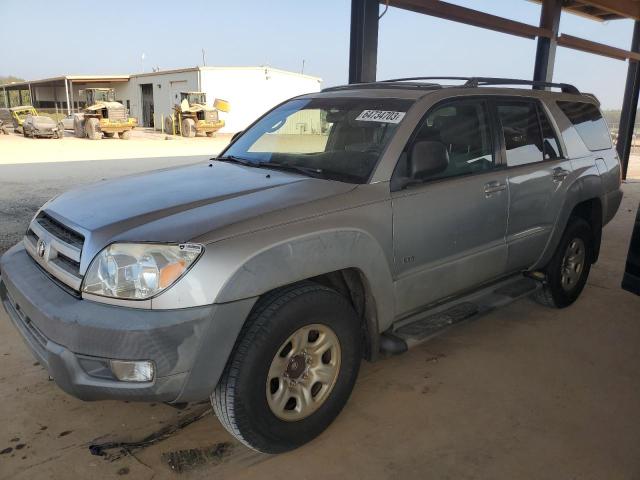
192 115
103 115
17 115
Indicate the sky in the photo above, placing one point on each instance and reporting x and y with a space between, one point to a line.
74 37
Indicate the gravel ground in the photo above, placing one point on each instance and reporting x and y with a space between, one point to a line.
525 392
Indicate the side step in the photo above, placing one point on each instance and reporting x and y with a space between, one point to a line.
422 326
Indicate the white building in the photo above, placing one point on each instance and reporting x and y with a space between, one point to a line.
250 91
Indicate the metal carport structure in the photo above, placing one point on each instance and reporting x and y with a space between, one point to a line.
365 16
63 85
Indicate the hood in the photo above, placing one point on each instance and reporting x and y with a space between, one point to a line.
181 204
101 105
42 121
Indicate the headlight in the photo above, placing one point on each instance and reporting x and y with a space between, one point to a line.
138 271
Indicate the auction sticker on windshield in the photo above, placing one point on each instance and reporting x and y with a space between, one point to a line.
383 116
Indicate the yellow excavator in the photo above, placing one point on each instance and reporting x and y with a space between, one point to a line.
192 115
103 115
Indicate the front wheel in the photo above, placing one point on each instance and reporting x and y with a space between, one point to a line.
292 369
567 272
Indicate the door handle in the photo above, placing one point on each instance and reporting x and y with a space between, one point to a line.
493 187
559 174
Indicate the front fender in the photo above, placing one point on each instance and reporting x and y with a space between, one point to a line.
310 255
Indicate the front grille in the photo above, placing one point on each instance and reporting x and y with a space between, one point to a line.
56 248
117 115
58 230
211 117
67 263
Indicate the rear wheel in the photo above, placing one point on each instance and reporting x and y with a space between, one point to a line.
92 127
109 134
210 134
292 369
168 125
126 135
78 126
568 270
188 128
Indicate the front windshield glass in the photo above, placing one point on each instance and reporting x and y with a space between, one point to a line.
103 96
197 98
336 138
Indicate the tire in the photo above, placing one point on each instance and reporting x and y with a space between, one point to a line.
60 134
92 128
24 133
78 126
109 134
210 134
188 128
126 135
168 125
243 398
565 279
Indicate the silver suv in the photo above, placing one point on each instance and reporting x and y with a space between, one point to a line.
341 225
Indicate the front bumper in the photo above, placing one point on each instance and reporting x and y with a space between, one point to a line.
74 338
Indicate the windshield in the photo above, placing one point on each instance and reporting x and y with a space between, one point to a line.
336 138
195 98
103 96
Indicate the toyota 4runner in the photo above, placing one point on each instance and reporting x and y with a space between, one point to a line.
342 225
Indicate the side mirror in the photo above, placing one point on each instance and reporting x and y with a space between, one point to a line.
236 135
427 158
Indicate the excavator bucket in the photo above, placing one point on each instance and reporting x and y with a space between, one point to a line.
221 105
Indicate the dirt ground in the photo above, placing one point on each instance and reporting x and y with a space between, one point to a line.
526 392
144 143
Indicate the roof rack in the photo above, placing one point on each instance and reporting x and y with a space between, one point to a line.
388 84
483 81
470 82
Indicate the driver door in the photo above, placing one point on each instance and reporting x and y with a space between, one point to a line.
449 229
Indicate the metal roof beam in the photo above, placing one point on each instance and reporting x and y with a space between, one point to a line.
588 46
456 13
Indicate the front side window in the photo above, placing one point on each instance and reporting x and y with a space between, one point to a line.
521 131
588 121
461 130
334 138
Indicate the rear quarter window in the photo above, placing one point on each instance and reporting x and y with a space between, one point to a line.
589 124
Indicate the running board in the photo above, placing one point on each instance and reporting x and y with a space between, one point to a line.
423 326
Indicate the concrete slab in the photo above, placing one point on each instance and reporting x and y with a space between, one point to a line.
525 392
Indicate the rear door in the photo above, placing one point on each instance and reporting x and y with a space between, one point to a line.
536 171
449 228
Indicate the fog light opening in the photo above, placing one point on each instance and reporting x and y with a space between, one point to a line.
132 371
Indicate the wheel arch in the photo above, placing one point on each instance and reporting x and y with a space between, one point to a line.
583 204
349 261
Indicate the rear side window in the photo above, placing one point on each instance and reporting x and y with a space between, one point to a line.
590 125
521 130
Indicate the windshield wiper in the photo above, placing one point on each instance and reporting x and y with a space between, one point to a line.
234 159
308 171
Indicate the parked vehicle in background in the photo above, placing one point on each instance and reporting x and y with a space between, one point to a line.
261 279
103 116
16 116
68 122
631 279
42 126
192 115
